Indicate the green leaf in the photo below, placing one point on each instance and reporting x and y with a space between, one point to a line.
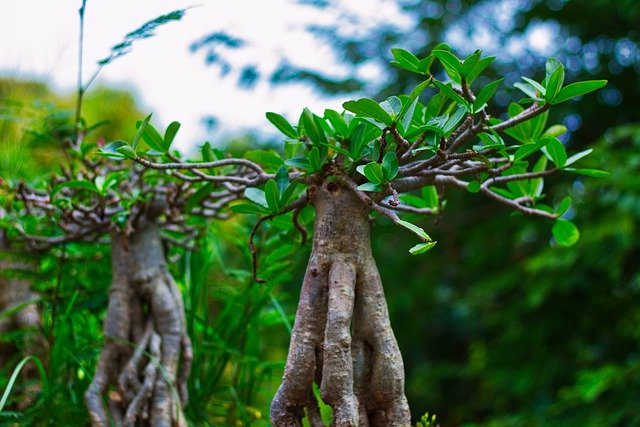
430 196
564 206
373 172
571 160
357 141
421 248
480 66
141 130
314 159
312 128
248 208
282 125
111 150
390 165
282 179
338 122
448 90
393 106
593 173
473 187
485 95
565 233
555 131
370 187
415 229
127 151
577 89
555 151
469 63
451 124
257 196
170 135
537 86
528 149
298 162
272 195
406 60
554 80
450 63
368 108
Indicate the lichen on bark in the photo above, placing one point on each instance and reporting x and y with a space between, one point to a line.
145 362
342 338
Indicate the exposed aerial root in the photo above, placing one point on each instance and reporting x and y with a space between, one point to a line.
360 373
145 362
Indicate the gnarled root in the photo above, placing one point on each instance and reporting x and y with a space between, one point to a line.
147 355
362 379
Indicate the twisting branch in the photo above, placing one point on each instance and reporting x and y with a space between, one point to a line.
527 114
516 204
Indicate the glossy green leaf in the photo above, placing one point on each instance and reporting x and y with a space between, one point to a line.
312 128
450 62
578 89
170 135
141 131
298 162
127 151
473 187
338 122
368 108
430 196
415 229
555 151
485 95
256 195
554 80
452 94
272 195
390 165
282 179
564 206
470 62
571 160
248 208
282 125
373 172
406 60
593 173
314 159
370 187
421 248
565 232
479 67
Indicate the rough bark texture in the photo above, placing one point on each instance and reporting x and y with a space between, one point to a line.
146 358
342 337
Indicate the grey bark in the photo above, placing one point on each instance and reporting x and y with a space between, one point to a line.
145 362
342 336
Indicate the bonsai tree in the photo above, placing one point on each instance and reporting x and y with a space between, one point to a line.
382 159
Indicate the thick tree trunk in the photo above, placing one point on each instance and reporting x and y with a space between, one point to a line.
146 358
342 338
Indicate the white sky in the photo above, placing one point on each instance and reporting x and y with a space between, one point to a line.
39 40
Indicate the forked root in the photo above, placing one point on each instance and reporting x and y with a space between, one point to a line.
144 364
361 375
